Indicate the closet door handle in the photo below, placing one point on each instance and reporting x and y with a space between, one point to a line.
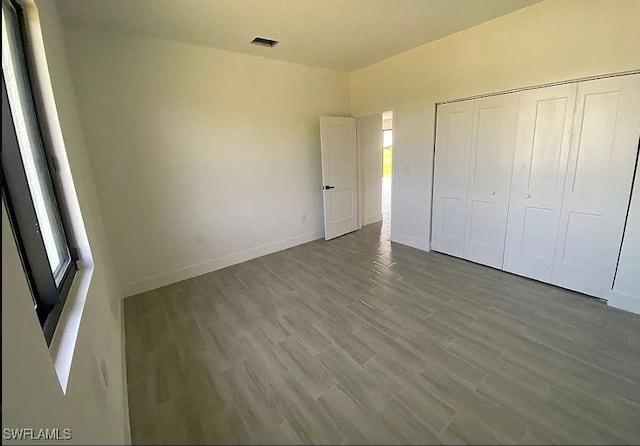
527 195
493 192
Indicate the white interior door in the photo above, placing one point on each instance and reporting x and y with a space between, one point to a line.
539 171
604 146
451 172
492 144
369 130
339 175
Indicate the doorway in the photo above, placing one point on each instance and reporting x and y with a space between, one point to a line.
375 154
387 169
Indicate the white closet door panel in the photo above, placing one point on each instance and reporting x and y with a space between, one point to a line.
627 280
451 171
539 172
602 158
492 145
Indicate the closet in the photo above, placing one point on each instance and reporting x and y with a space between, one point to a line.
539 172
474 154
538 182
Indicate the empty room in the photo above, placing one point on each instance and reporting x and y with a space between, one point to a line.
320 222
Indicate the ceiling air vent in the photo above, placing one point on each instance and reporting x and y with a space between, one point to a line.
261 41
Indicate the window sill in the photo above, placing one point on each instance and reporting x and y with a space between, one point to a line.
65 337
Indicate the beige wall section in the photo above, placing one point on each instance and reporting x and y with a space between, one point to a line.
189 140
550 41
31 393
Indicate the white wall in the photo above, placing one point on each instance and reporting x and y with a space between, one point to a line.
550 41
31 392
186 139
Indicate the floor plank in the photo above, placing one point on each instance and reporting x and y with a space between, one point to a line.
361 341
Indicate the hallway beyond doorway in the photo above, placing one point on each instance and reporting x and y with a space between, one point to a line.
387 171
386 207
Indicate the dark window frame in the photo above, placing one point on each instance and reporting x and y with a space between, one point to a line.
49 297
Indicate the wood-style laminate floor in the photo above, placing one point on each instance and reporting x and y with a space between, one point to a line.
358 341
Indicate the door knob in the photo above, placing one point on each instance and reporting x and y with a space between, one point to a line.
493 192
328 187
527 195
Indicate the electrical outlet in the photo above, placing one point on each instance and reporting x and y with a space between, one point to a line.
303 218
199 237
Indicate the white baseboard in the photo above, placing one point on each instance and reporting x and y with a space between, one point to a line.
177 275
624 301
409 240
371 219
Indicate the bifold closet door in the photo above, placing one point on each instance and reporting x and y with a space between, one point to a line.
451 171
539 172
492 142
604 147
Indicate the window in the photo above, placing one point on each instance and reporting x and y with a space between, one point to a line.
29 180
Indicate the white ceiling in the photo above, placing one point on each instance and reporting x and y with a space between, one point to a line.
342 35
